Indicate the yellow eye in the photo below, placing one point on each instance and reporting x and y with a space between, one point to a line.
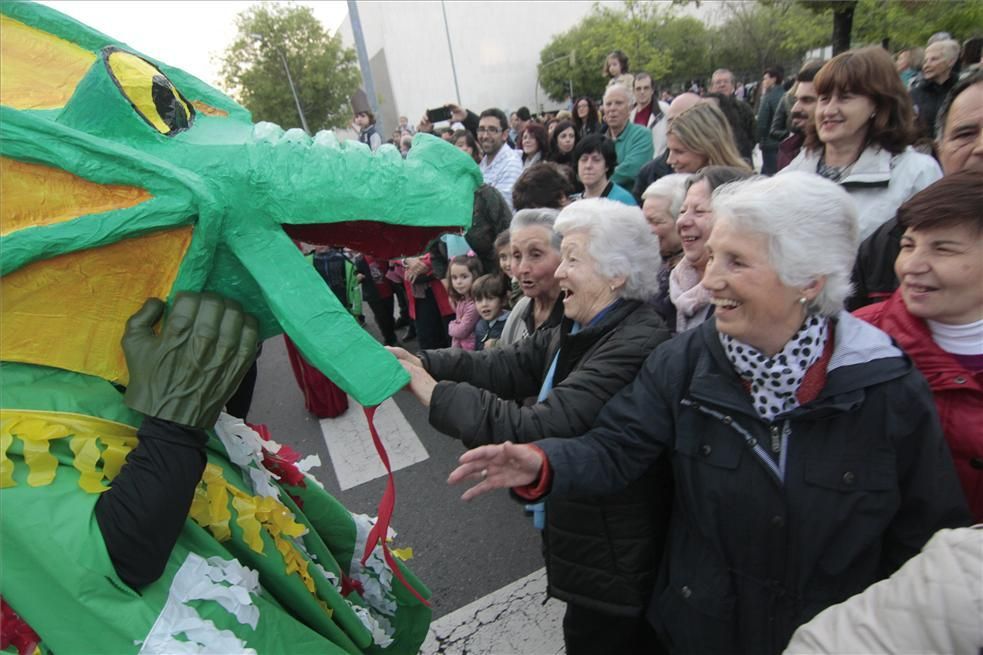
152 95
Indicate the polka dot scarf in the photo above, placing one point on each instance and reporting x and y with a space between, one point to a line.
775 380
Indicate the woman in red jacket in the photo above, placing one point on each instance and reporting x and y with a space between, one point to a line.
936 314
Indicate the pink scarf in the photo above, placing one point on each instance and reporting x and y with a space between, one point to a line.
688 295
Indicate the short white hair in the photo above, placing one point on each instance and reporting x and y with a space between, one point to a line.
950 49
672 187
811 227
619 241
618 86
544 217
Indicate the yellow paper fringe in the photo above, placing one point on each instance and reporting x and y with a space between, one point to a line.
37 429
405 554
6 465
93 440
87 455
254 514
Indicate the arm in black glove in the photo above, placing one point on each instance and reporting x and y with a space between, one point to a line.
180 379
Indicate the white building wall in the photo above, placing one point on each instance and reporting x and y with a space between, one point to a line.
496 50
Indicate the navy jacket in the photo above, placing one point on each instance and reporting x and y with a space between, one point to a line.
759 545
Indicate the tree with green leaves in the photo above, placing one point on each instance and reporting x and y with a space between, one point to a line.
276 42
666 46
755 35
906 23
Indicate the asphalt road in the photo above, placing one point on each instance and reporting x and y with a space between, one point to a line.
462 551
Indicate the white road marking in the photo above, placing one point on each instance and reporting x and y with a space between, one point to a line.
510 620
350 445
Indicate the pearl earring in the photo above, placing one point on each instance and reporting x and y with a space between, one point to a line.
803 300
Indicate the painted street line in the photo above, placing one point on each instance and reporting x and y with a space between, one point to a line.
510 621
350 445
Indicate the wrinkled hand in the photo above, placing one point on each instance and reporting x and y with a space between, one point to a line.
187 372
404 355
497 467
421 384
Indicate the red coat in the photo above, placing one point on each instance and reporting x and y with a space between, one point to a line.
958 392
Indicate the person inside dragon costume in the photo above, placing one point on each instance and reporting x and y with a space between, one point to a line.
137 518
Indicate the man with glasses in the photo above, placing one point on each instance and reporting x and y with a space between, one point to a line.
500 166
649 112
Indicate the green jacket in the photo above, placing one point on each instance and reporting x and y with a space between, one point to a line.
634 148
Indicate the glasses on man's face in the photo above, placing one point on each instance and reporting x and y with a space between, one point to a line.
489 130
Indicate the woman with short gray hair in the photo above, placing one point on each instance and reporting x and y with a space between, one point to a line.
661 203
602 552
805 449
535 255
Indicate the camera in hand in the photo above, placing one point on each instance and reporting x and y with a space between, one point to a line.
439 114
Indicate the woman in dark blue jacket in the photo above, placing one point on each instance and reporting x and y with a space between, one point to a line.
806 453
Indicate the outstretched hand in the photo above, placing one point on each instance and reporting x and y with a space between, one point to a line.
421 384
497 467
186 373
404 355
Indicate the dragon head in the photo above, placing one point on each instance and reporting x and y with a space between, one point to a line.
124 178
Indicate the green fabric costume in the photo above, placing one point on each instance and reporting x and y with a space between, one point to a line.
125 178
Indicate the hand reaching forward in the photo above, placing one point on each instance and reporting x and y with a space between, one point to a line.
186 373
497 467
421 384
404 355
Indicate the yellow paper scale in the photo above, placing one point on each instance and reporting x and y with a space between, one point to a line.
93 440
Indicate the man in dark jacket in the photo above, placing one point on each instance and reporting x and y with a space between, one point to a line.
772 92
803 112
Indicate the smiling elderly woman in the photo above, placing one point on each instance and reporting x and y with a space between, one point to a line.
805 448
602 552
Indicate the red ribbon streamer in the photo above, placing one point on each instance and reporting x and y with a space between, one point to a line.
386 505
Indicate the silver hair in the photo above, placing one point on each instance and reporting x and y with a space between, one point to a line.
629 93
539 217
811 227
619 241
672 187
950 49
725 71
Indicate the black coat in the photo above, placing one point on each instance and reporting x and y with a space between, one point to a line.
756 550
927 97
601 552
874 279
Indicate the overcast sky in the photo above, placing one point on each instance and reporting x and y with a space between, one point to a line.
183 33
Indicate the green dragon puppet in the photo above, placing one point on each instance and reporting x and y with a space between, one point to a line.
125 179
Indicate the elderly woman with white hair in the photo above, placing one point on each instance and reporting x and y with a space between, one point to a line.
661 203
805 449
602 551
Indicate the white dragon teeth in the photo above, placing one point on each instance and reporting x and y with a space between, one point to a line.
297 135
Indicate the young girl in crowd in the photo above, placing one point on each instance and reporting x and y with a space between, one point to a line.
461 274
491 296
616 68
503 250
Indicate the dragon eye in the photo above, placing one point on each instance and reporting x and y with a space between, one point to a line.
151 94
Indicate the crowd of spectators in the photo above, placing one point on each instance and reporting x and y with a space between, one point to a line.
653 347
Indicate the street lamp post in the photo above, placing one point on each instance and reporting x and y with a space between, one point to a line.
570 57
290 79
293 90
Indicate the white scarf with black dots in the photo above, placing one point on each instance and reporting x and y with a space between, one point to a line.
775 380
